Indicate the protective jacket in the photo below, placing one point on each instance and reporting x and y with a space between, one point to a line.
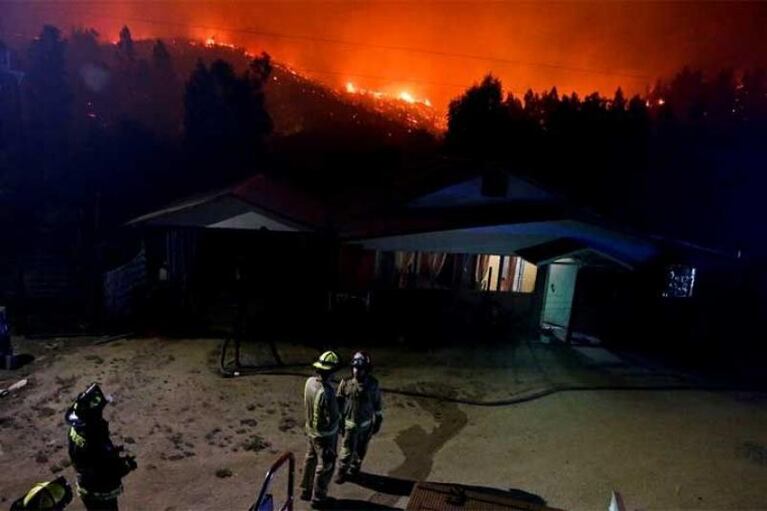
360 402
98 464
321 408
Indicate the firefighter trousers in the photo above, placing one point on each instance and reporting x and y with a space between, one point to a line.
354 448
319 463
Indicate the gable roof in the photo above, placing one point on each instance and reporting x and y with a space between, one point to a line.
537 242
567 248
454 216
469 193
257 203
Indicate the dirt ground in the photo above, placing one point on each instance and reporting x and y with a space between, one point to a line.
205 442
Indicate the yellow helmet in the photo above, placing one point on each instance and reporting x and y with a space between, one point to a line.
328 361
49 496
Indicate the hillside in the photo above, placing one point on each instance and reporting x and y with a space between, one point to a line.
299 104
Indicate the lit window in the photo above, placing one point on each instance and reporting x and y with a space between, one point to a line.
524 277
505 273
680 281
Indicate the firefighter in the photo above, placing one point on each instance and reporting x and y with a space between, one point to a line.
359 399
99 465
49 496
322 419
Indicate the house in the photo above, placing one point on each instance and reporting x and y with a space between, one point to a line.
259 245
474 257
502 249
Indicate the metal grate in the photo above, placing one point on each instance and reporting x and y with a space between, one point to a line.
455 497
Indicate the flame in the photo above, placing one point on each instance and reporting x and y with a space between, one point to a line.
212 42
661 101
404 96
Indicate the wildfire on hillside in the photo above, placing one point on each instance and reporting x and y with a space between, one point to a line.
394 103
405 96
212 42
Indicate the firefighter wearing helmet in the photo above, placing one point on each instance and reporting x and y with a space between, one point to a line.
322 424
99 465
359 399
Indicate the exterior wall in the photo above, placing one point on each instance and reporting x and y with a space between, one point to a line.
424 308
713 322
606 302
222 280
627 310
429 317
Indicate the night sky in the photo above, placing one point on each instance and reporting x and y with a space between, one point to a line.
434 50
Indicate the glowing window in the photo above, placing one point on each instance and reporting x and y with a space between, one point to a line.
680 281
505 273
524 278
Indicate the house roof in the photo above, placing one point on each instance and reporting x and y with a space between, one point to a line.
568 248
455 216
540 242
469 193
453 198
257 203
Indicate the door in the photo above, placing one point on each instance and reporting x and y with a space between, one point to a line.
560 289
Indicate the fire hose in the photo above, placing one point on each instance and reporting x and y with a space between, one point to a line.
552 388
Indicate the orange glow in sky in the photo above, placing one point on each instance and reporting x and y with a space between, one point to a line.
436 50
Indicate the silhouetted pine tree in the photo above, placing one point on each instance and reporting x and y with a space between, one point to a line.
48 101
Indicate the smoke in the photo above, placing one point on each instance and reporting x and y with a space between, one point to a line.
94 77
434 50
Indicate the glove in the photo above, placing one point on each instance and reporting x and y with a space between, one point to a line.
377 424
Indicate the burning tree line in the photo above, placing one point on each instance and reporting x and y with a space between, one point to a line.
115 129
686 159
93 122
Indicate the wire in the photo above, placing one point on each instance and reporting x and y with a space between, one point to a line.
444 85
405 49
385 78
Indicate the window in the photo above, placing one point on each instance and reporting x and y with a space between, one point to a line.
680 281
504 273
421 270
524 278
493 273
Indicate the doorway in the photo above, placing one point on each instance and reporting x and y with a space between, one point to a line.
558 298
